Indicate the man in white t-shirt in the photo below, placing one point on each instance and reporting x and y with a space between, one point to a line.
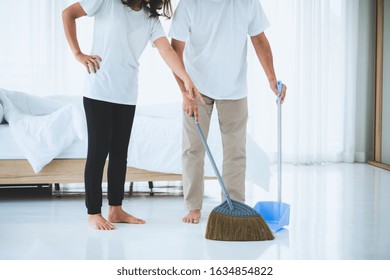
212 36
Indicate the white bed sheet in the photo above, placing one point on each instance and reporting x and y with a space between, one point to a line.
9 148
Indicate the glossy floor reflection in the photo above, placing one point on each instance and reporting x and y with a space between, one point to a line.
338 211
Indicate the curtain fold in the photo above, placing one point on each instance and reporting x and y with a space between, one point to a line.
321 44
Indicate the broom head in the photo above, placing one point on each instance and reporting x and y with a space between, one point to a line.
242 223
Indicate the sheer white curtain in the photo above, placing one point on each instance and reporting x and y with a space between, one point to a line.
34 55
323 51
317 51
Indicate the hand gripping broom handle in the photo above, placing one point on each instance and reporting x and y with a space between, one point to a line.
221 183
280 87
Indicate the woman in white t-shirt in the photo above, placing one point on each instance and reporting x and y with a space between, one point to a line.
122 30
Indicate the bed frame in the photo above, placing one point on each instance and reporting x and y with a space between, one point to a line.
62 171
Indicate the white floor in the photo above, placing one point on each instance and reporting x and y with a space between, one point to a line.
338 211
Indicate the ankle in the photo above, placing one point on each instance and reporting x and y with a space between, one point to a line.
115 210
115 207
95 215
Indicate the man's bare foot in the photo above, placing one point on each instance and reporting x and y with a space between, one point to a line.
192 217
97 221
117 215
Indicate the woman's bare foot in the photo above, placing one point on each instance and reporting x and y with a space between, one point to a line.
117 215
97 221
192 217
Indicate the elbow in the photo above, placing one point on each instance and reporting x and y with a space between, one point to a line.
173 43
177 47
65 15
260 39
167 52
68 15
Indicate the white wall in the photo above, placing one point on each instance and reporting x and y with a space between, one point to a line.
366 81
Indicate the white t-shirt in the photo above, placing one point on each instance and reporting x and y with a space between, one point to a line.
120 36
216 34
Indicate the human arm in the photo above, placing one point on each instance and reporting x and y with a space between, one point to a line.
264 54
69 16
175 62
190 107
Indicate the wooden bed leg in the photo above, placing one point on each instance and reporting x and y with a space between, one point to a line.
131 188
57 189
151 188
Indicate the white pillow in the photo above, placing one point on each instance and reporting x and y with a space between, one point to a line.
1 113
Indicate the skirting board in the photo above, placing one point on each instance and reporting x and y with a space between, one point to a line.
380 165
62 171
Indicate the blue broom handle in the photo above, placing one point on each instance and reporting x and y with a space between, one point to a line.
280 87
221 183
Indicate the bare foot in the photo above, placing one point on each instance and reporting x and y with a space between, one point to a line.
192 217
117 215
97 221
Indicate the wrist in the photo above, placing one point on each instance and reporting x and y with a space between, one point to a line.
184 94
186 79
272 81
77 53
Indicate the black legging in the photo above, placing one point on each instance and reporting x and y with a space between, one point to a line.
109 128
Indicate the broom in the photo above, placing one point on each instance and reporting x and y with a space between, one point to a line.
233 220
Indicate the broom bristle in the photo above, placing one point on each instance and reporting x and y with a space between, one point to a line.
232 228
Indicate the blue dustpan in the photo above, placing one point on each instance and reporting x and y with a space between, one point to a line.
276 213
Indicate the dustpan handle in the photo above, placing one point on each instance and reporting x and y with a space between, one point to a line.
280 87
216 171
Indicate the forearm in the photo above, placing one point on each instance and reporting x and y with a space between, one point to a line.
69 17
178 47
172 59
70 33
179 81
264 54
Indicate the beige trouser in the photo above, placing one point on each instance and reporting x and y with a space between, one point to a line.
232 116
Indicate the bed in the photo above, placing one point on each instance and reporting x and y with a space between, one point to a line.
18 171
44 142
